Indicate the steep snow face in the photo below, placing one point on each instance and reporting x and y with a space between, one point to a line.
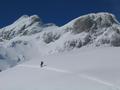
25 25
29 37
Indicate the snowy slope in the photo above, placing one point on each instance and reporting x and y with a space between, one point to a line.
84 69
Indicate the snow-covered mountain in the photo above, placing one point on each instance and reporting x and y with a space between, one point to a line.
25 25
29 37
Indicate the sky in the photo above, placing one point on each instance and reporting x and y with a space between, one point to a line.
55 11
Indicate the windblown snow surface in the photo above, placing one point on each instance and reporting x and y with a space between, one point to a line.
84 69
81 55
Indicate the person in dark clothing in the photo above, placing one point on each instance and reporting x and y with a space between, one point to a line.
41 64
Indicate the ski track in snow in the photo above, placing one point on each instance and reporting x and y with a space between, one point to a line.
57 70
69 72
99 81
45 68
29 66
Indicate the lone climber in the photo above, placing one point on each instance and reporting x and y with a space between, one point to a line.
41 64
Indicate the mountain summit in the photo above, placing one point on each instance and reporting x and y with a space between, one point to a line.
29 37
25 25
100 28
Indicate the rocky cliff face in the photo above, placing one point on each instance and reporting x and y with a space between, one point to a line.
101 28
94 21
